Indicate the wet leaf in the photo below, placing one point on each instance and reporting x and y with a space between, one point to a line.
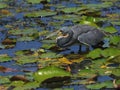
49 72
5 57
41 13
110 29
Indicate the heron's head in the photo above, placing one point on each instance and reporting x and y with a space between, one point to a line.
64 30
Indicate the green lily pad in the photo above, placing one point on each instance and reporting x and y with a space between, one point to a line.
73 18
4 58
95 53
4 80
110 29
98 6
71 10
98 86
114 40
86 73
110 52
114 59
50 55
23 59
34 1
3 5
49 72
41 13
88 23
26 31
116 72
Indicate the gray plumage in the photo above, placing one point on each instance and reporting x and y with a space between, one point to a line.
82 34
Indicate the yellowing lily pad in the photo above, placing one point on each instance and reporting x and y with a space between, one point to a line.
5 57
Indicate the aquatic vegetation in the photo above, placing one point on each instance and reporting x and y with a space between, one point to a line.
25 65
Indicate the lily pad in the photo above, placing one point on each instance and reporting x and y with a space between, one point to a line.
73 18
110 29
5 57
114 40
3 5
4 80
34 1
41 13
49 72
23 59
71 10
50 55
98 86
95 53
26 31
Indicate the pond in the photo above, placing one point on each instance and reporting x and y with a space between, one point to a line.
30 61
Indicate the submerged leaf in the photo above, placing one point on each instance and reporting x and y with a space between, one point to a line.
49 72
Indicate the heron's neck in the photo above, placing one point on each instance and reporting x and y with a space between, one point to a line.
64 40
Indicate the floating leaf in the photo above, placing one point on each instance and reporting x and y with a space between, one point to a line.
5 57
110 52
73 18
114 40
50 55
97 86
41 13
49 72
71 10
34 1
23 59
3 5
95 53
110 29
114 59
89 23
116 72
26 31
86 73
4 80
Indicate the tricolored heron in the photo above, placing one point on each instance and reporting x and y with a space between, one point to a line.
80 34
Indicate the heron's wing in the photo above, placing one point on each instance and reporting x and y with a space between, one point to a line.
92 37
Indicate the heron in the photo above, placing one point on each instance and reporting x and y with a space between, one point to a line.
80 34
